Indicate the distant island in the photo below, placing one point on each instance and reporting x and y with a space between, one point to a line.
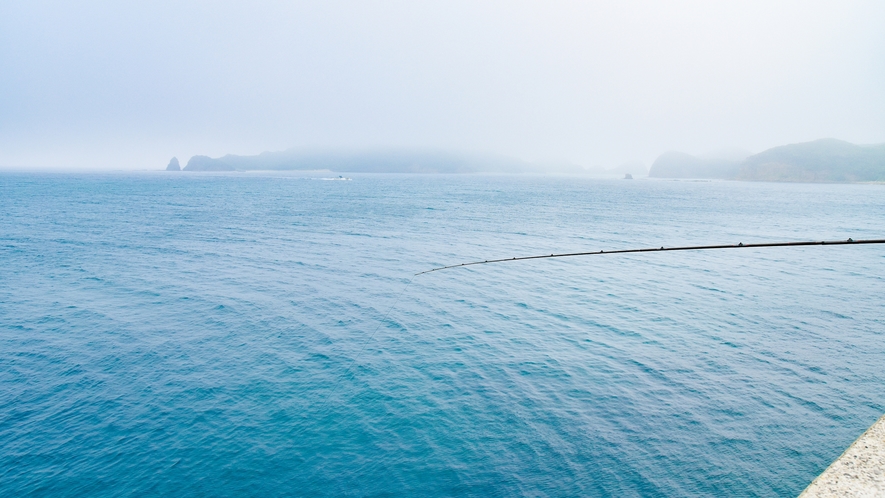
361 161
392 160
825 160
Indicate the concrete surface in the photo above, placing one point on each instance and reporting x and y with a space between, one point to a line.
860 471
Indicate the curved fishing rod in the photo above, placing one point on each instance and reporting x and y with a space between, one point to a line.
660 249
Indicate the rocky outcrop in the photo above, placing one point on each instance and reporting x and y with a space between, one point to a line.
173 165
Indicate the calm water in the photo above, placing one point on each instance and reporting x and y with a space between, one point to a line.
186 334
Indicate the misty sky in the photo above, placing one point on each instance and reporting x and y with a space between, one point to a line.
112 85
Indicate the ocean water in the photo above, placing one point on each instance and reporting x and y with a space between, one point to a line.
262 334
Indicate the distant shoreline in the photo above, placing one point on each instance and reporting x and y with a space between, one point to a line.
821 161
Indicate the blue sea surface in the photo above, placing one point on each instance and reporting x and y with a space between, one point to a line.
262 334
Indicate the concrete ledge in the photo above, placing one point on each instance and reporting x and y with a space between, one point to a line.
860 471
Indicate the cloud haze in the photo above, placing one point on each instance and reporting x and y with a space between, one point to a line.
113 85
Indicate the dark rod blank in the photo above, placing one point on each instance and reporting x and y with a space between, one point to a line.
659 249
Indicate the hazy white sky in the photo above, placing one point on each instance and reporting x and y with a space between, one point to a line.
120 85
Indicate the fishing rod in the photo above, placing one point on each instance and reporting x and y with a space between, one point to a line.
739 245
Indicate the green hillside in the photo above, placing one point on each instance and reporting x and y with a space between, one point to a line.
825 160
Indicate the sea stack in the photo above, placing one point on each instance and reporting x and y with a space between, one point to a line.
628 176
173 165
